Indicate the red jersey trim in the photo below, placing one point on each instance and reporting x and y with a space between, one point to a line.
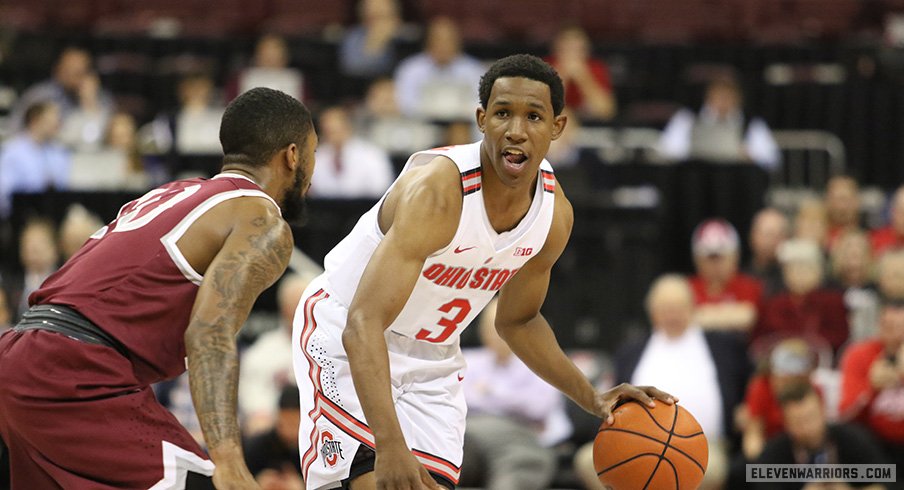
310 324
549 181
470 181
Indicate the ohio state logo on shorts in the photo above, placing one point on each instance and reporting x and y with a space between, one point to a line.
330 450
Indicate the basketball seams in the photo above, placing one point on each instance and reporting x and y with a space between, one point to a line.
674 472
645 436
665 447
638 468
626 461
660 425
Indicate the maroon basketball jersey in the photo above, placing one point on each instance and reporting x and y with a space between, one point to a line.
131 279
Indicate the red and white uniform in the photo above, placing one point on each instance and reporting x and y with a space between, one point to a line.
77 415
426 363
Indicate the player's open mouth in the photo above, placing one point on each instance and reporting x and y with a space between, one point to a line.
514 159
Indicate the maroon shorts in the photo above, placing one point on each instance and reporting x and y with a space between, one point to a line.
74 416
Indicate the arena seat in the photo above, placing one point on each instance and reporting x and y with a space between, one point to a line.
297 17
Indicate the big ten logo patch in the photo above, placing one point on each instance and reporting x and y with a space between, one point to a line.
523 251
330 450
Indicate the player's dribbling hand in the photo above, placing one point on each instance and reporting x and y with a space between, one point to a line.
605 402
398 469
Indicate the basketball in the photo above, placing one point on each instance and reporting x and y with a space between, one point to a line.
651 448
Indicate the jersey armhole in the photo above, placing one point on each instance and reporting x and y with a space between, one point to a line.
171 239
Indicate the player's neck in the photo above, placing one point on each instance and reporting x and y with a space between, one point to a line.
497 195
505 206
259 175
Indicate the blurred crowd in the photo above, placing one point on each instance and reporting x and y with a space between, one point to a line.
802 320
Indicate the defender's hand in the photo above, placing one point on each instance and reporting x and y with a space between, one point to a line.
605 402
398 469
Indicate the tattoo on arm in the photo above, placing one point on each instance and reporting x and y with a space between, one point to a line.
234 284
214 368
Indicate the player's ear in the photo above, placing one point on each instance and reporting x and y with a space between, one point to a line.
558 126
481 118
293 156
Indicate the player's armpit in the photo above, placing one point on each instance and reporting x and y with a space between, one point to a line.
253 256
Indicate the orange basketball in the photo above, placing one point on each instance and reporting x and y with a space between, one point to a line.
651 448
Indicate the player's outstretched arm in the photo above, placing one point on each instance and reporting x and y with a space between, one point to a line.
253 256
520 323
419 217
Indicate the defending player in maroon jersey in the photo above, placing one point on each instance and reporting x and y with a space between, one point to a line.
163 287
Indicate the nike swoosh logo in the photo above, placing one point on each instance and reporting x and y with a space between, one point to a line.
459 250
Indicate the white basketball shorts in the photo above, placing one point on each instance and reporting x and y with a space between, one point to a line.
426 389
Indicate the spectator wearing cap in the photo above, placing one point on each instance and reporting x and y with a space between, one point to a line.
725 298
891 237
806 308
789 362
809 438
707 370
770 229
872 381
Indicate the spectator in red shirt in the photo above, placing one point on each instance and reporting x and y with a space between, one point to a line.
809 439
790 361
588 88
806 308
842 201
872 381
891 236
726 299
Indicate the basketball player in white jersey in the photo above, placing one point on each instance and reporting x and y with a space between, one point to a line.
376 337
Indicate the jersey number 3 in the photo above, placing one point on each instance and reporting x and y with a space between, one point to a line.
449 324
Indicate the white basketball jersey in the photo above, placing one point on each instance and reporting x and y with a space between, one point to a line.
458 281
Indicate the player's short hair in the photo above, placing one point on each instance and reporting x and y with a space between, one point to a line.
524 66
259 123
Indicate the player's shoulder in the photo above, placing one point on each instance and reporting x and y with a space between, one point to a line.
251 212
436 183
563 212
